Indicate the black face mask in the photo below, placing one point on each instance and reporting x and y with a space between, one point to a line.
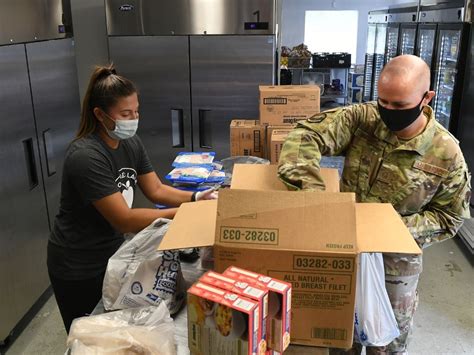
398 120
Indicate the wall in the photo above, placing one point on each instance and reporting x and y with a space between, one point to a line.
90 36
293 18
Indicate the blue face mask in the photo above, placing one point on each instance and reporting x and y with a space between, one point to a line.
123 128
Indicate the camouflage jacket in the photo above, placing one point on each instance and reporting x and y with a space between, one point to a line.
426 178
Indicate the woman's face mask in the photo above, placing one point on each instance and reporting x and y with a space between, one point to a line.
398 120
123 128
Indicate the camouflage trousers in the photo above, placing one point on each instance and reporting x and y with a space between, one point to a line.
402 292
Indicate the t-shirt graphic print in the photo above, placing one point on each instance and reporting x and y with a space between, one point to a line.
126 183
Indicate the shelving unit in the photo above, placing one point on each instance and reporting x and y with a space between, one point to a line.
323 77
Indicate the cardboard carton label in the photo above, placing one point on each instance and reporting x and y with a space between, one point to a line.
263 236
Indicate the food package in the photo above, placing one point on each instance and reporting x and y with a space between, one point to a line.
191 175
193 158
145 330
221 322
299 57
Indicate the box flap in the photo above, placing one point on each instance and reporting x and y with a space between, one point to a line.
265 177
193 226
286 220
286 88
380 229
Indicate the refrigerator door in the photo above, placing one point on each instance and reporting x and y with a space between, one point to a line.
379 60
23 215
369 61
183 17
407 39
159 66
391 49
57 111
445 75
225 74
425 43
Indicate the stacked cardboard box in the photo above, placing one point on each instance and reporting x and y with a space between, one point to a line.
247 137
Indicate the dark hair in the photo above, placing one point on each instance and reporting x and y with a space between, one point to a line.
105 88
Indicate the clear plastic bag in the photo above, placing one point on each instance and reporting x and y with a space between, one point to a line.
140 275
375 323
144 330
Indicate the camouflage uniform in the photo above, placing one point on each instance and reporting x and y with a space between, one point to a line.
426 179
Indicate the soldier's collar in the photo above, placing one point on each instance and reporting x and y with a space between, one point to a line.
419 144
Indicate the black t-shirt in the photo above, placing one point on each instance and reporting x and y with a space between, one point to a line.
82 240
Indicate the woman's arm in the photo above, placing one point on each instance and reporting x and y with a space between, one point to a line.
157 192
124 219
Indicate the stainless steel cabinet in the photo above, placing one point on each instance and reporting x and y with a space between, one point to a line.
55 96
191 87
23 213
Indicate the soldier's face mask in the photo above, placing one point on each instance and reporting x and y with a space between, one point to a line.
398 120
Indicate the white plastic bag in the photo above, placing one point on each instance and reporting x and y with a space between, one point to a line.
375 323
144 330
139 275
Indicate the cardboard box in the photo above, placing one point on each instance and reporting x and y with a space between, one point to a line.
256 293
268 136
355 95
221 322
356 80
247 137
276 144
279 305
287 104
310 239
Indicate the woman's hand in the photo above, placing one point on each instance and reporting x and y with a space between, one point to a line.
210 194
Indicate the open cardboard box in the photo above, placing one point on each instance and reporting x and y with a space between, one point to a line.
311 239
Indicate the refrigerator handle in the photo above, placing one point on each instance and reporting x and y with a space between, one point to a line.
205 130
49 152
30 160
177 129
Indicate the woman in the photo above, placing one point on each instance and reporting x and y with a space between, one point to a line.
102 168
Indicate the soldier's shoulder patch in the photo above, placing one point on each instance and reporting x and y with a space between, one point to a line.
430 168
318 118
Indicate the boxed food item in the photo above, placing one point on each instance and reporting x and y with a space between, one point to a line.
279 305
310 239
287 104
221 322
276 144
356 80
247 137
256 293
268 136
355 95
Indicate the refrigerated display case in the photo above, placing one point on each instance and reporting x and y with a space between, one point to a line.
391 47
447 82
369 61
425 43
407 39
379 58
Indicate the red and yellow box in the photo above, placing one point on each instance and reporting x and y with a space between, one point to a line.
222 322
279 305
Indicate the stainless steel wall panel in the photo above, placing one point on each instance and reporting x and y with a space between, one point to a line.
23 215
160 68
27 21
56 104
183 17
225 74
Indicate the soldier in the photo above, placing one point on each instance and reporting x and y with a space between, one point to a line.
396 152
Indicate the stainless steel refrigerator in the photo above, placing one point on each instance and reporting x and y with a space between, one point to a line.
39 110
197 68
446 35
